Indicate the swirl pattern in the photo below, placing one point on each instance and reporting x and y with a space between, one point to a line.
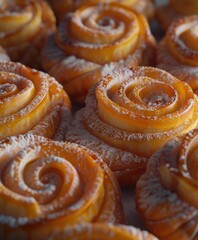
93 41
167 193
24 27
64 6
178 52
31 101
46 186
174 11
102 231
130 114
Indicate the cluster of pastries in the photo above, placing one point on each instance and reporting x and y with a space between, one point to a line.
135 124
92 42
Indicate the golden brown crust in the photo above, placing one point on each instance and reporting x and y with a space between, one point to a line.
102 231
166 195
174 11
61 7
25 25
93 41
178 52
31 101
130 114
47 186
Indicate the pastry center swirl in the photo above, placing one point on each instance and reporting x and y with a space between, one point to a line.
16 19
157 95
107 22
7 90
100 33
43 179
47 182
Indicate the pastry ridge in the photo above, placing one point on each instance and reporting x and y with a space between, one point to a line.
32 101
125 122
47 186
166 193
93 41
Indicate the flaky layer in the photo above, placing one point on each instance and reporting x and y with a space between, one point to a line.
93 41
102 231
31 101
166 194
24 27
178 51
61 7
46 186
130 114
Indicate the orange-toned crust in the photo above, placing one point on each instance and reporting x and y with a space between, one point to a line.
61 7
93 41
24 27
130 114
175 10
166 195
178 51
47 186
102 231
31 101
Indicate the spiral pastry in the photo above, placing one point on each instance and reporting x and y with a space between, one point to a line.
31 101
24 27
167 193
102 231
61 7
93 41
46 186
178 51
130 114
176 10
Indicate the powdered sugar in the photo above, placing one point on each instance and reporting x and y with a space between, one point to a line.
52 196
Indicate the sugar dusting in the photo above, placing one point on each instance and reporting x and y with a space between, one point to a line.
183 72
158 204
115 144
104 231
75 73
34 154
44 87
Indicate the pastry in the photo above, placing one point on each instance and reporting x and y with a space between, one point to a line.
47 186
102 231
3 55
93 41
178 51
24 27
167 193
31 101
175 10
61 7
130 114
